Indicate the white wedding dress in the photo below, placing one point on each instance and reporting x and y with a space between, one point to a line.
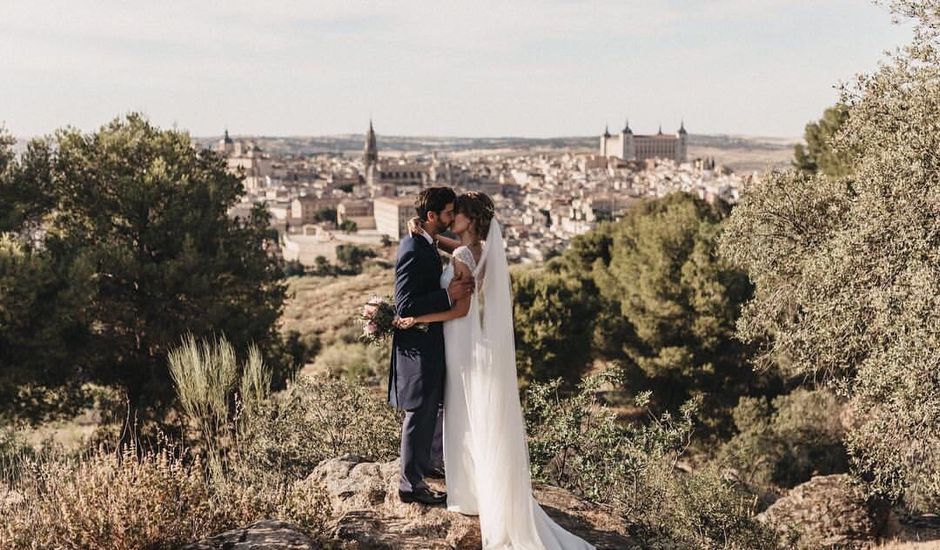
486 460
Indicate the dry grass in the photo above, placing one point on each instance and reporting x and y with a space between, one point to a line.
329 306
160 501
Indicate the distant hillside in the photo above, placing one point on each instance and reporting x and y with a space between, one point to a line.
740 153
350 143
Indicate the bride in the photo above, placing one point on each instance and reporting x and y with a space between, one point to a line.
485 453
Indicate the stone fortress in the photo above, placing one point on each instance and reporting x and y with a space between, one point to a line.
630 146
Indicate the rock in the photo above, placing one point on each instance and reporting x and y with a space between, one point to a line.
828 512
368 513
267 534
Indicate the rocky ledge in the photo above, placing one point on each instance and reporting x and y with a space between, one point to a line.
367 514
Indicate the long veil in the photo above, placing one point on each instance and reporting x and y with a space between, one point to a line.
504 487
510 518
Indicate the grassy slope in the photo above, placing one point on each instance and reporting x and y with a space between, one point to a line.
329 306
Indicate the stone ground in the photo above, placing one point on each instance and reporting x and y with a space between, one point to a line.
368 514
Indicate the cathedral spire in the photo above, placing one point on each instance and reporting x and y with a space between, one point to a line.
682 128
370 153
626 127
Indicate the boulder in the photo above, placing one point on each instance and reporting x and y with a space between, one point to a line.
268 534
828 512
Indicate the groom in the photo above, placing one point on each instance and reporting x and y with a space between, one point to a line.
416 376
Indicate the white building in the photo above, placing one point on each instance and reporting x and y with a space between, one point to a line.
628 146
392 215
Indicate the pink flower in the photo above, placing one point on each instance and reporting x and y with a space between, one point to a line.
370 329
369 310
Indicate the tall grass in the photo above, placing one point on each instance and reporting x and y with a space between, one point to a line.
162 500
205 374
172 495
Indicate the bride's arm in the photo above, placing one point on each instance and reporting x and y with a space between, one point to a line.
459 309
446 244
415 226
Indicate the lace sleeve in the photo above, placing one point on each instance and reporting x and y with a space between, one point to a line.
465 257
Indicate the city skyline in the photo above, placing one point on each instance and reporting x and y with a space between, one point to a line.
525 68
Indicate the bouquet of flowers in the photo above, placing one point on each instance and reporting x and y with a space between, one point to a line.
379 320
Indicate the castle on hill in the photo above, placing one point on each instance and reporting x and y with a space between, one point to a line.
630 146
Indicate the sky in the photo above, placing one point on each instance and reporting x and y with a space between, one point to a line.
486 68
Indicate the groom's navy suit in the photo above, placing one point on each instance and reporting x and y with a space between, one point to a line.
416 375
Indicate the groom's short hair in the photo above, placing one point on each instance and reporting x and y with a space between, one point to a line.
433 199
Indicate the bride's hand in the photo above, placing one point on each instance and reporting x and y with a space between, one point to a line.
415 226
405 323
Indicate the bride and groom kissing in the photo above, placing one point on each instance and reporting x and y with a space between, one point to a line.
456 381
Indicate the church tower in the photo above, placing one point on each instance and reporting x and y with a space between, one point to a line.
683 149
370 153
370 156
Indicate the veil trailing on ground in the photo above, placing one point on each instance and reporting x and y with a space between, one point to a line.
510 518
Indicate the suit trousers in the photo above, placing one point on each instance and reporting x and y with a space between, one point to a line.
422 448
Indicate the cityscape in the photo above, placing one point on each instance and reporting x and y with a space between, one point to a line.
543 198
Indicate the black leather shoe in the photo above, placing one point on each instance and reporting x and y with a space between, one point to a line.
423 496
436 473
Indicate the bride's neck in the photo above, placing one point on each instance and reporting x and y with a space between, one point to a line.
469 238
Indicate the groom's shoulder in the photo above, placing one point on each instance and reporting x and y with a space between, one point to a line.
407 243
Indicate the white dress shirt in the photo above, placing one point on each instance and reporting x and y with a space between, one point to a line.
431 242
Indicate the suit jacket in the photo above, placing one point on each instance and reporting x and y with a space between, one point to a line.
417 364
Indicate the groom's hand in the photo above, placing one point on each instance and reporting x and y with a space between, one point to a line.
460 287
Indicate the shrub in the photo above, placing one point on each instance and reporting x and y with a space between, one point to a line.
13 453
847 269
354 360
293 268
579 444
318 419
786 441
352 256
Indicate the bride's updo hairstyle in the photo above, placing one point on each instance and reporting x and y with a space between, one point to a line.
479 208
